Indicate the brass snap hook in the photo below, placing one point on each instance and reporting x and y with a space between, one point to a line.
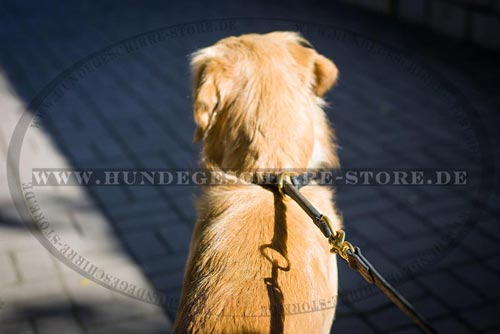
281 184
340 245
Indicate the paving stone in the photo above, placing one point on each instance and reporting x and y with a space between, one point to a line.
145 244
475 238
351 325
389 318
115 312
449 290
92 224
29 299
369 304
410 329
450 325
372 229
480 279
494 262
177 236
494 329
84 292
484 27
35 264
169 281
21 327
139 209
18 238
151 221
165 263
112 196
455 258
413 11
430 308
9 271
80 244
408 250
366 208
63 323
490 226
154 322
403 222
450 204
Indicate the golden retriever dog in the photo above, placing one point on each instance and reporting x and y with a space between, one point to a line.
257 263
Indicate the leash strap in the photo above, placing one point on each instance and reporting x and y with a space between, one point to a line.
289 185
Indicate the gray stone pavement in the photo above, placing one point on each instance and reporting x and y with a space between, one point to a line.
408 101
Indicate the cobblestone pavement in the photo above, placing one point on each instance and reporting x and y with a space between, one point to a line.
405 100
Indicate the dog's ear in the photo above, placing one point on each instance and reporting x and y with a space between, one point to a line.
205 102
205 93
325 73
323 70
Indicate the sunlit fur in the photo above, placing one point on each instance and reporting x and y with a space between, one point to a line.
254 257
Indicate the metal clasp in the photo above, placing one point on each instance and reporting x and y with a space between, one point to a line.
329 224
281 184
339 245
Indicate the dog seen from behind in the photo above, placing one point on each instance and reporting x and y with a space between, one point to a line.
257 264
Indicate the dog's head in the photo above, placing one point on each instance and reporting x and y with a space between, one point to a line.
255 97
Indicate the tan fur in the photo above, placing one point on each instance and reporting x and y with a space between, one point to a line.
254 257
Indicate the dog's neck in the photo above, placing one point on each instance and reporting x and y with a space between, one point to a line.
288 133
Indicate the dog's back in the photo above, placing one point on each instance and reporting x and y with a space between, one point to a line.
258 265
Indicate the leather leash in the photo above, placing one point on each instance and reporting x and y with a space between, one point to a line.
289 185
